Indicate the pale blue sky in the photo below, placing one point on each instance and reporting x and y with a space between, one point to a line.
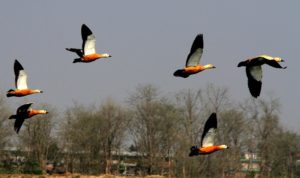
148 41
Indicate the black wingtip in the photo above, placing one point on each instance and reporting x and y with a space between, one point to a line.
85 31
18 66
254 87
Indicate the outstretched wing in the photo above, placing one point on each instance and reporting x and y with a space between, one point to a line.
209 132
22 110
88 40
254 74
195 54
274 63
18 124
20 76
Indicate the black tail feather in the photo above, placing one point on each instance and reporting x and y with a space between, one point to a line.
8 94
181 73
194 151
77 60
77 51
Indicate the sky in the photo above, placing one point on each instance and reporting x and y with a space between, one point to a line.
148 41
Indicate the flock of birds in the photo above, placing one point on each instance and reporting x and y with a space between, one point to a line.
88 54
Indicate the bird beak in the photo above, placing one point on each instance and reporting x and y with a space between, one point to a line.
109 55
282 60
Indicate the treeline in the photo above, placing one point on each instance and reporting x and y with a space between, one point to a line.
160 129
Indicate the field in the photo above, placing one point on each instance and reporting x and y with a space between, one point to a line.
70 176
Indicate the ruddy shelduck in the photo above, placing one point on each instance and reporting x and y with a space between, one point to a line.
21 83
254 71
207 139
24 112
88 51
193 60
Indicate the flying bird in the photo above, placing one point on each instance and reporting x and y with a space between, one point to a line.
21 83
192 65
24 112
207 139
254 71
88 51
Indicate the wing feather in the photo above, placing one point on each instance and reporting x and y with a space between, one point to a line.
18 124
195 54
209 132
22 110
274 63
254 74
88 41
20 76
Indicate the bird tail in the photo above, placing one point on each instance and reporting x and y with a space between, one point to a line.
77 60
181 73
13 117
77 51
194 151
8 93
73 50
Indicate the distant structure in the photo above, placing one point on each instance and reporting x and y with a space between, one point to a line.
250 163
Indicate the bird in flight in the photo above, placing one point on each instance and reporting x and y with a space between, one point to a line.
192 65
254 71
88 51
21 83
24 112
207 140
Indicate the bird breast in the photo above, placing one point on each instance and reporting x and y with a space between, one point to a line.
194 69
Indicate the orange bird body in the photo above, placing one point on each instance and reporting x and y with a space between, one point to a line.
254 71
88 52
192 65
207 139
21 83
25 112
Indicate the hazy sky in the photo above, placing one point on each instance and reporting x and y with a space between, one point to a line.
148 41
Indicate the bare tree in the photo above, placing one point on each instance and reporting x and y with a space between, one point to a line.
189 107
153 125
37 136
114 124
91 134
6 127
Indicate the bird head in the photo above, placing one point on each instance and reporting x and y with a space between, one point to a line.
278 59
209 66
223 147
105 55
38 91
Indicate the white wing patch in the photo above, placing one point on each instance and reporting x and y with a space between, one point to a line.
21 82
194 59
256 72
208 139
90 45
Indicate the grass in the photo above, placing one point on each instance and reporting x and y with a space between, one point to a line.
71 176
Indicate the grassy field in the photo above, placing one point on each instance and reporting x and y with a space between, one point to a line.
71 176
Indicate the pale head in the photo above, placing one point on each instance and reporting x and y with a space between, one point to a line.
42 111
209 66
278 59
223 147
105 55
37 91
